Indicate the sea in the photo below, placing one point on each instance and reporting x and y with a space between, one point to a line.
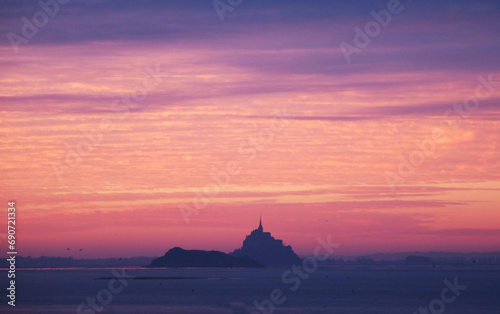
342 289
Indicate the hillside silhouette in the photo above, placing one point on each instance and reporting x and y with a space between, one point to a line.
178 257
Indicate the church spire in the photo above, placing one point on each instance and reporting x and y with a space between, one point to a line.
260 223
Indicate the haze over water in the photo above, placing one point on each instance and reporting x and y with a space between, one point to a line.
341 289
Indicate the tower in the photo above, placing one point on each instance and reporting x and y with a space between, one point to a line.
264 248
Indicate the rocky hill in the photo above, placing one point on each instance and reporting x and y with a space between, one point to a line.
178 257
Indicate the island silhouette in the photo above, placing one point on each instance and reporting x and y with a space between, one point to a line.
259 249
178 257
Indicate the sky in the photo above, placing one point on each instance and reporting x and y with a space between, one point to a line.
131 127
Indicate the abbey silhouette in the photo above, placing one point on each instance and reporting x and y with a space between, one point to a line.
259 249
267 250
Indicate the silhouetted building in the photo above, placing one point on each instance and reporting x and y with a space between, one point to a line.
267 250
